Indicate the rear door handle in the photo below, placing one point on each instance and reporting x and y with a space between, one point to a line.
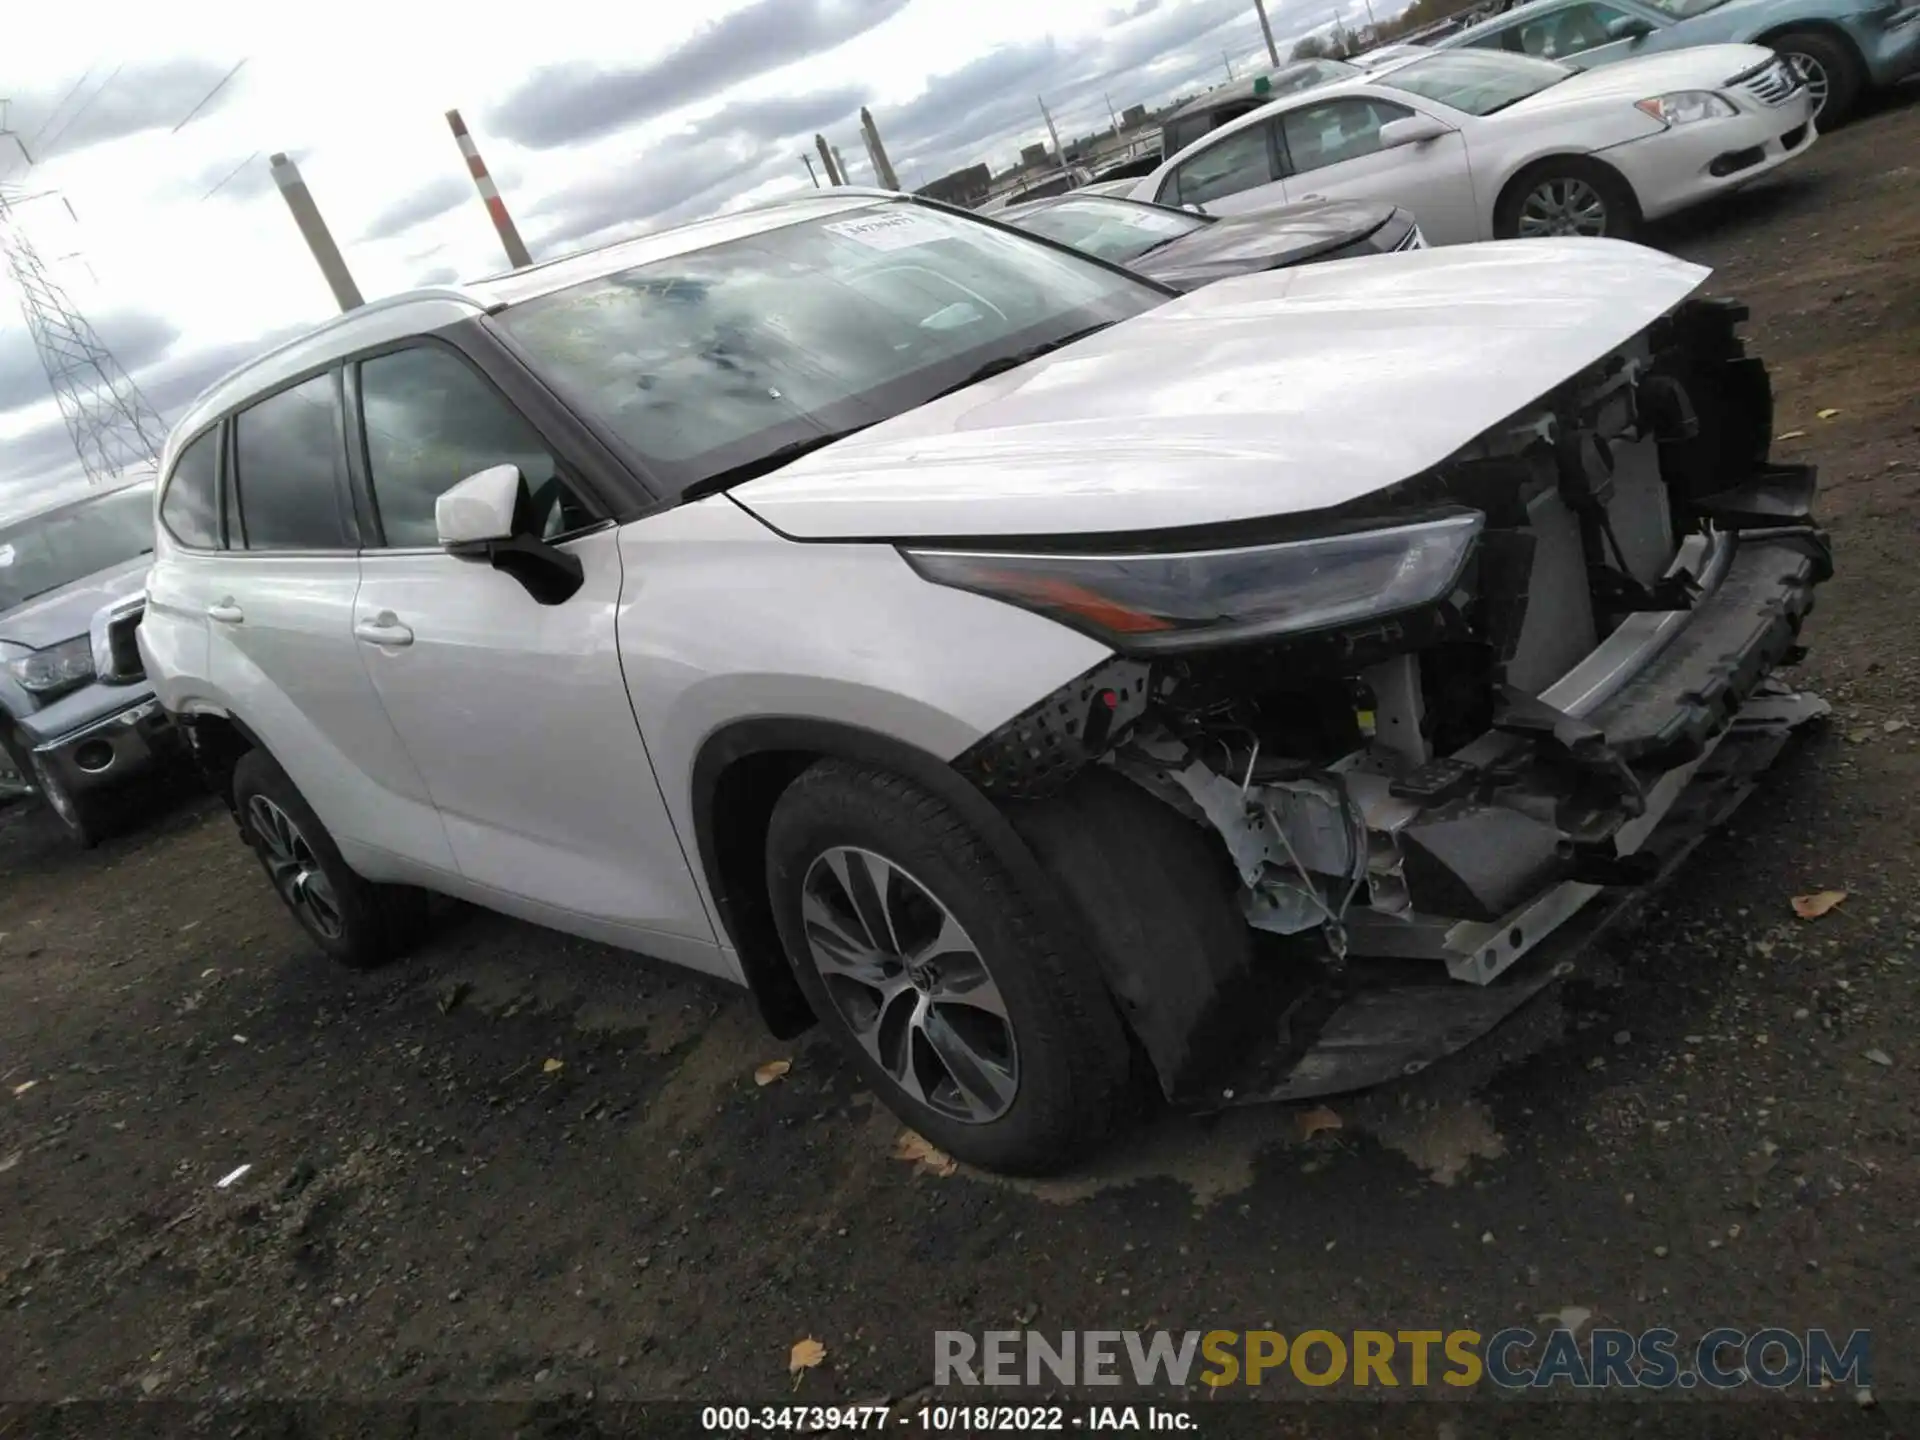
226 612
384 629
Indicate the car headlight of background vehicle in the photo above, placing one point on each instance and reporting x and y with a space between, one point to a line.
1683 107
1154 603
56 669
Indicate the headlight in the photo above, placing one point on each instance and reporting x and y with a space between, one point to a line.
56 669
1153 603
1683 107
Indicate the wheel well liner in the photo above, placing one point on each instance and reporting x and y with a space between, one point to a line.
217 742
739 776
1823 28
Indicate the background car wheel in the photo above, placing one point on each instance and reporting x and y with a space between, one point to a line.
1832 71
85 818
979 1023
354 921
1567 196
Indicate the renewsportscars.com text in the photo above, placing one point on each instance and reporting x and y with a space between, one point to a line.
1513 1359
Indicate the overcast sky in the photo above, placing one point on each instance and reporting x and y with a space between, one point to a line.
595 119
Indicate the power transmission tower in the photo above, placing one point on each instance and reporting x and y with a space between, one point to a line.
114 427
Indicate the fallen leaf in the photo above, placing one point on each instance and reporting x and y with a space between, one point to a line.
1894 727
911 1146
11 1161
1812 907
1859 736
1827 414
771 1071
553 1067
1879 1057
1791 435
804 1356
1312 1122
24 1086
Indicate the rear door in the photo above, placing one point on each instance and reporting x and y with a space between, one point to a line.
1331 150
516 712
280 634
1236 171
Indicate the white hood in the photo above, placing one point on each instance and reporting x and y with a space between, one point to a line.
1273 394
1704 67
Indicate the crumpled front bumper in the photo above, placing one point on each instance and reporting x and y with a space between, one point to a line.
1503 843
104 750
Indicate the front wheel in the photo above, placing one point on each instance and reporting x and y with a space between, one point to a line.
1568 195
85 818
977 1022
1833 74
358 923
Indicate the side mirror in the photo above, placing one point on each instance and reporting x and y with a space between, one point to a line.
1412 130
488 516
1628 27
1194 207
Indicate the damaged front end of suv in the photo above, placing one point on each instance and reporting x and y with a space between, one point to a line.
1438 724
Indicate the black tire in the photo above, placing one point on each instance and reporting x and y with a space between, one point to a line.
1064 1093
86 819
1845 76
1622 210
354 921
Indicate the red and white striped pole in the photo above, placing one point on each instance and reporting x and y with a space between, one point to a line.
517 254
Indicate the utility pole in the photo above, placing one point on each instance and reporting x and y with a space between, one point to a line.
1229 62
1058 154
1112 117
1273 52
840 164
314 231
826 160
876 152
503 225
807 160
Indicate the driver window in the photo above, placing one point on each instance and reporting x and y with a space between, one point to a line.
1336 130
431 421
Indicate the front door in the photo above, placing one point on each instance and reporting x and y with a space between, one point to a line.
515 712
1332 151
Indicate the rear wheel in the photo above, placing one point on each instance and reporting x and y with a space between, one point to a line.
967 1010
1833 73
358 923
1567 195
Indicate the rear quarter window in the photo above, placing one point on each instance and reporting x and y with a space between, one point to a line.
191 507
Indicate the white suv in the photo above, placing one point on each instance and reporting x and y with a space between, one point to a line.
974 646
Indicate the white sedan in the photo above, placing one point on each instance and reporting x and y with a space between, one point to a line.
1483 145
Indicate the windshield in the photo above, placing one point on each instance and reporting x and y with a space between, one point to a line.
48 551
1477 82
1116 230
710 361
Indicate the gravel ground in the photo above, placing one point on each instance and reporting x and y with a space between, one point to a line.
523 1167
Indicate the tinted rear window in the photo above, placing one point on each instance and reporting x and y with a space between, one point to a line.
286 470
191 509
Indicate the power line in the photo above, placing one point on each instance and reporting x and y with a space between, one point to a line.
86 105
221 85
230 174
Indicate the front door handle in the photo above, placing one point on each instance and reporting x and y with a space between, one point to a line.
226 612
384 629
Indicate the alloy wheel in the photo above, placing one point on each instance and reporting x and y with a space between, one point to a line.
294 868
1814 76
910 984
1564 205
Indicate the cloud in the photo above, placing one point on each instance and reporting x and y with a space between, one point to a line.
94 109
134 338
429 202
783 116
439 275
231 179
566 104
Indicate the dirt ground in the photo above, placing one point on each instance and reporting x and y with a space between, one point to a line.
522 1166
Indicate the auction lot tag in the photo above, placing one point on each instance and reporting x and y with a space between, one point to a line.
888 232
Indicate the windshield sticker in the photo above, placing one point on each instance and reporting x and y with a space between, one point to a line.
889 232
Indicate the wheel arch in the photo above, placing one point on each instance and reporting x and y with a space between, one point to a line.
1538 163
1816 25
217 740
738 776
